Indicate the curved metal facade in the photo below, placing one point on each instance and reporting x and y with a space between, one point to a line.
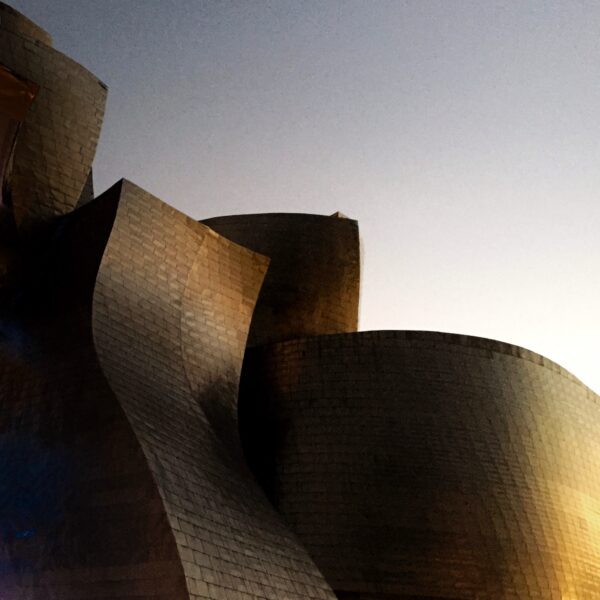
428 465
80 514
120 467
313 283
404 465
172 307
57 140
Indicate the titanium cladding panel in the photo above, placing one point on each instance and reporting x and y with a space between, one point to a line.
313 283
429 465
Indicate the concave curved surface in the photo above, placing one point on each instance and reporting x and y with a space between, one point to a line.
172 306
57 141
427 465
313 283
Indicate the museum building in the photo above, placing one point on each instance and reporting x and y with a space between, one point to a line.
189 412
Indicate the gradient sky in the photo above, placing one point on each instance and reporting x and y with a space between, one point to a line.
464 136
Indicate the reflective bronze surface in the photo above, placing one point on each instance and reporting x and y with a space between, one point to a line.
429 465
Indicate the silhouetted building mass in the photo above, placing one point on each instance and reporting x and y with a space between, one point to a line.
188 411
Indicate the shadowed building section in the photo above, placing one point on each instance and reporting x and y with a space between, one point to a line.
16 96
428 465
313 283
172 307
56 143
80 514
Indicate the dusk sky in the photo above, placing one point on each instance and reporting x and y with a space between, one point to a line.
463 136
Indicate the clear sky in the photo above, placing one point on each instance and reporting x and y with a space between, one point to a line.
464 136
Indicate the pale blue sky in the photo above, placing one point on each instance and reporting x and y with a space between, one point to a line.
464 136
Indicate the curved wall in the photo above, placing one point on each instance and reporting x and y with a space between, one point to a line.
57 140
313 283
172 306
428 465
80 515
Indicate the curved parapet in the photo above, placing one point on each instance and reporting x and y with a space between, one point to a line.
313 283
429 465
172 306
57 139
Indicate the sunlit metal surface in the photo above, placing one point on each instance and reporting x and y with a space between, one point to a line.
421 464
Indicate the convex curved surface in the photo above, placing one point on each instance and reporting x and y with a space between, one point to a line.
312 286
428 465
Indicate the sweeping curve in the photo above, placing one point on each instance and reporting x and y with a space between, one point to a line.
80 514
172 306
421 464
